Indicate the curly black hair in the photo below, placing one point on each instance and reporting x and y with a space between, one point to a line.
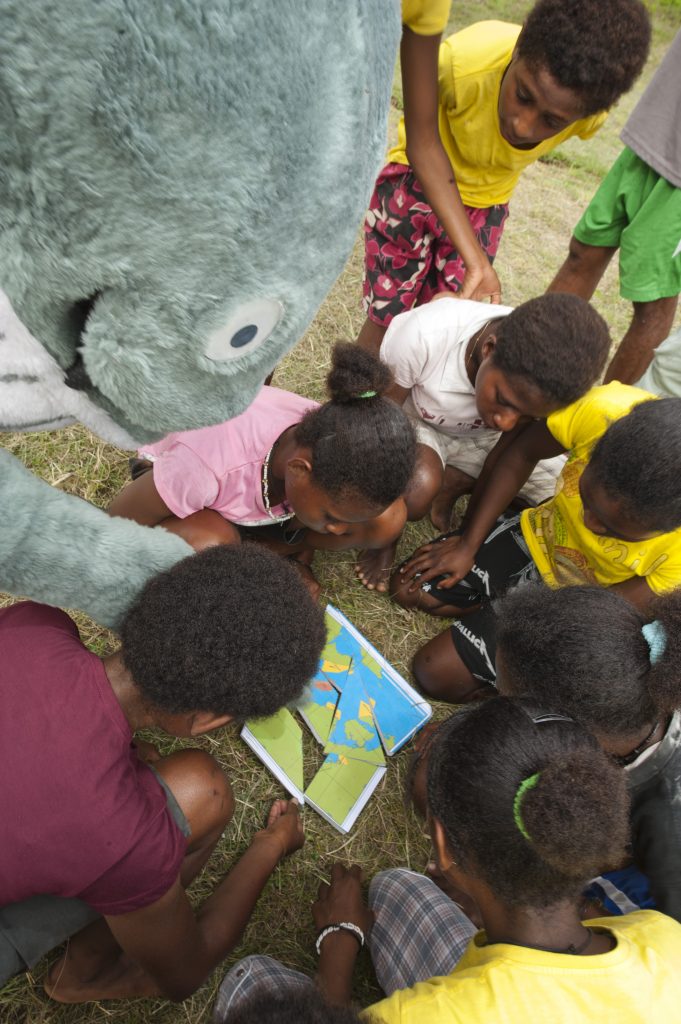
596 48
581 649
300 1005
637 462
557 342
232 630
362 443
575 815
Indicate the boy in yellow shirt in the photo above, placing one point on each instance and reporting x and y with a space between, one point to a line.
615 521
506 97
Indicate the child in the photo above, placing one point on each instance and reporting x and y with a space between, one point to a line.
328 477
464 376
637 209
524 809
615 521
89 828
591 654
507 97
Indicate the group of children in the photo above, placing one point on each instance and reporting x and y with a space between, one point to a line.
562 584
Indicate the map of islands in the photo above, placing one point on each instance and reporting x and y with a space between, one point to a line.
359 709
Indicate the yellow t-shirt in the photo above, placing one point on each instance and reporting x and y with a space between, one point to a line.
636 982
426 17
565 552
472 65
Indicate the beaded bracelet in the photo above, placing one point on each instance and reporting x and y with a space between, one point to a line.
339 926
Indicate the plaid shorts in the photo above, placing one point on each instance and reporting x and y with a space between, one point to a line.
408 258
419 933
254 976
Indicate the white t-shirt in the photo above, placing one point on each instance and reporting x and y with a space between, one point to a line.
426 350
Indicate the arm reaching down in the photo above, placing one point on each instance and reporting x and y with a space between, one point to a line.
430 163
57 548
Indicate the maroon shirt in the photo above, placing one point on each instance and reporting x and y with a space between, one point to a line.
81 814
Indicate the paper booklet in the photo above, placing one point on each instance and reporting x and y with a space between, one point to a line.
359 709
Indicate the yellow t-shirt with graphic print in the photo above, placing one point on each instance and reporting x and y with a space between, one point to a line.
637 981
426 17
471 66
564 550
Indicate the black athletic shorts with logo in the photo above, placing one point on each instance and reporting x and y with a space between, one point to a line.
503 561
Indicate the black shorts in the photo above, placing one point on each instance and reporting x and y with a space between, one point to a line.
503 561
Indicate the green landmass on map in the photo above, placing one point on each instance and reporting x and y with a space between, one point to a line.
338 785
282 738
334 661
370 662
320 718
333 627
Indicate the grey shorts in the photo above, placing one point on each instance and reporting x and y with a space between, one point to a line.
31 928
469 451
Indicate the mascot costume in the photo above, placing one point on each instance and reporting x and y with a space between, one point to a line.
181 182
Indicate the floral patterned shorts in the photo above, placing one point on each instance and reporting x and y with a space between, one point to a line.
408 258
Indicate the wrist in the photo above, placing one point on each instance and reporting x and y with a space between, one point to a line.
336 929
269 847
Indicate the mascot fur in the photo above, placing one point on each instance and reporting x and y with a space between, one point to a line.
181 182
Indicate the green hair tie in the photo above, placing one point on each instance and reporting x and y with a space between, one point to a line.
523 788
368 394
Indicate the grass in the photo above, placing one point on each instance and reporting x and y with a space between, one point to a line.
546 205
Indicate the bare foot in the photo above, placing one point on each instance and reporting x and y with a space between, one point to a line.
120 979
373 567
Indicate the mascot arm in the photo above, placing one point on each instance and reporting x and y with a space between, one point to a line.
57 548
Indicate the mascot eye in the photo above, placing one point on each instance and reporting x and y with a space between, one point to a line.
248 327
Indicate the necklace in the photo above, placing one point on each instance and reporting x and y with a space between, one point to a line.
478 336
266 491
572 949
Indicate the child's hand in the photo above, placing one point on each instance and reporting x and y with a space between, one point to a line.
451 558
481 282
341 900
284 828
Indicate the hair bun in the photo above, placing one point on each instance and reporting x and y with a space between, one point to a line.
356 375
572 814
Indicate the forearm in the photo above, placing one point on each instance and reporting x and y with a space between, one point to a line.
434 173
651 323
336 967
486 473
225 914
495 495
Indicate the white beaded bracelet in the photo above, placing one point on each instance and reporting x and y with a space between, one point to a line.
340 926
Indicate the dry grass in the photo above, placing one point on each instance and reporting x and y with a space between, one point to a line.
546 205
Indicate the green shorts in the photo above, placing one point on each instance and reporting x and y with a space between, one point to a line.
638 212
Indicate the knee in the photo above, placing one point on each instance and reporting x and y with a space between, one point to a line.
400 593
384 883
201 788
425 482
440 674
